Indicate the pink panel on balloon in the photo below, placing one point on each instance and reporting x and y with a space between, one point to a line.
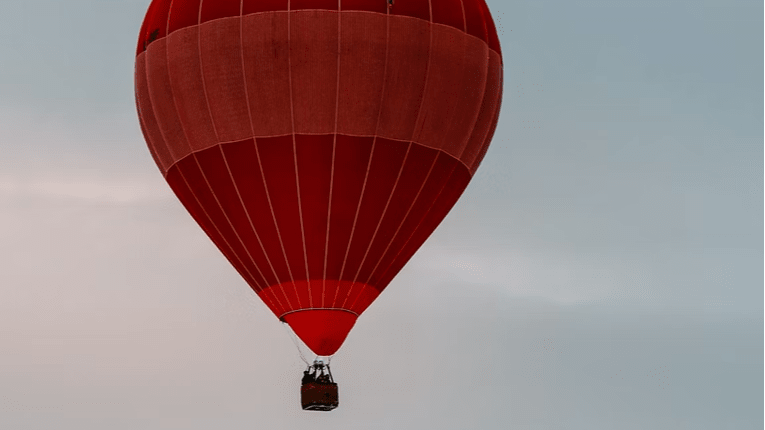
363 40
266 58
488 113
221 57
156 142
408 53
185 72
444 82
313 64
162 99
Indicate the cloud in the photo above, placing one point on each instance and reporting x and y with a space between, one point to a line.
106 192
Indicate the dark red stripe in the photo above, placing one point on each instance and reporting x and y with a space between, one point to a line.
413 176
314 160
387 159
475 19
215 9
415 228
183 14
448 12
351 159
188 198
243 163
432 218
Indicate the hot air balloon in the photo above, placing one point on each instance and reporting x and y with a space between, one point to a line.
318 143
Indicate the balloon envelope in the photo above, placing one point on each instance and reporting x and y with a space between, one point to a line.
318 143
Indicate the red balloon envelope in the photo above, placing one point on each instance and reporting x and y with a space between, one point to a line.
318 142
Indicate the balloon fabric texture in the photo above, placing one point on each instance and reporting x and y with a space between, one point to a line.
318 143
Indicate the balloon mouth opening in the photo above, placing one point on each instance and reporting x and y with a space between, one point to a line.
322 330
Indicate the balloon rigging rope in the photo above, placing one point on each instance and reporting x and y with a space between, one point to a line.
293 336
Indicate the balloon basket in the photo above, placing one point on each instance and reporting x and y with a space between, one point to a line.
316 396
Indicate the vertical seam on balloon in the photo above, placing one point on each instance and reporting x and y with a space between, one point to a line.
427 72
334 146
273 216
294 156
450 122
371 153
379 222
355 218
414 130
406 215
217 138
142 112
464 16
268 198
180 172
252 130
414 231
241 201
167 24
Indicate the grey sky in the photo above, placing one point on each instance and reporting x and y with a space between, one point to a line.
603 270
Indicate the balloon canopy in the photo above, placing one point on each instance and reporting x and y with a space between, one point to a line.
318 143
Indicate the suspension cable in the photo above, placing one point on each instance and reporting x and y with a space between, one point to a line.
293 336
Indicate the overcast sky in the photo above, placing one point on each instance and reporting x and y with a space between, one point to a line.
604 269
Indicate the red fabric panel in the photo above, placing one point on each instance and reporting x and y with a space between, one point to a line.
185 71
414 8
244 165
362 71
180 187
488 113
414 175
363 295
379 6
163 102
266 60
254 6
277 159
142 34
221 57
271 298
352 156
456 74
322 330
314 161
387 159
197 181
408 53
432 216
314 4
448 12
493 38
392 261
313 60
159 20
443 90
155 24
216 9
146 137
476 24
155 140
221 181
357 295
471 93
183 14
